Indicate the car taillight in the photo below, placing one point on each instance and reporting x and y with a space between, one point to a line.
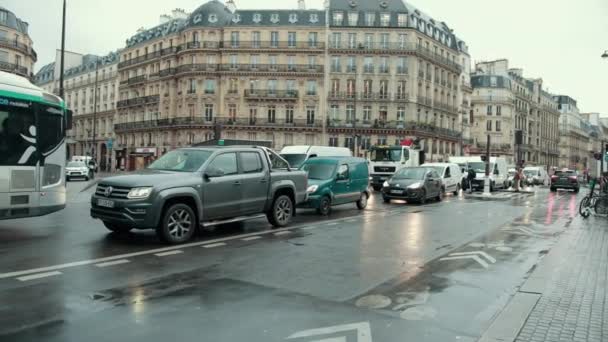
572 178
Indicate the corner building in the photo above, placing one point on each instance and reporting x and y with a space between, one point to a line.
17 54
386 73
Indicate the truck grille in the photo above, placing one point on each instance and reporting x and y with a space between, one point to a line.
117 191
384 169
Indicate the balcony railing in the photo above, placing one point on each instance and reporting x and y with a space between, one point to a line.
395 124
366 96
273 45
424 100
266 121
227 121
268 94
13 44
398 46
493 147
14 68
138 101
287 68
140 59
134 80
489 98
90 81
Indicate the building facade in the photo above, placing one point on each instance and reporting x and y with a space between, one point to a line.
574 135
598 135
17 54
91 92
384 73
503 101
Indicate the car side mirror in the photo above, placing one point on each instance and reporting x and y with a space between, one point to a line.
213 173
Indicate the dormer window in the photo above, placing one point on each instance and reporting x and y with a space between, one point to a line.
353 18
385 19
338 18
402 19
370 18
3 16
257 18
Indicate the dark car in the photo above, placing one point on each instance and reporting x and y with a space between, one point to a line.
565 179
413 184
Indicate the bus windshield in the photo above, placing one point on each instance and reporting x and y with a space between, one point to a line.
388 154
21 142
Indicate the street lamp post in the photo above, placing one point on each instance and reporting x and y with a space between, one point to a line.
61 64
93 149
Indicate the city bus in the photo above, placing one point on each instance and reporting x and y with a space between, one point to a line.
33 123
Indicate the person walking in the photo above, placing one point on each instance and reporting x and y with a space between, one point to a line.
470 178
517 179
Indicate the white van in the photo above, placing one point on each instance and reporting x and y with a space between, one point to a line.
451 176
536 175
498 171
297 155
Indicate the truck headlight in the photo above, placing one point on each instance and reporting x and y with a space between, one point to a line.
139 193
415 185
385 184
311 189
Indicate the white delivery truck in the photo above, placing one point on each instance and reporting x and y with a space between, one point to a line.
385 160
297 155
498 171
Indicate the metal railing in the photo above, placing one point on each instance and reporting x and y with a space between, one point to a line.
266 121
14 68
138 101
134 80
13 44
287 68
270 94
270 44
228 121
427 129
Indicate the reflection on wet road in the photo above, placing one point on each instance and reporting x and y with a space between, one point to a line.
433 273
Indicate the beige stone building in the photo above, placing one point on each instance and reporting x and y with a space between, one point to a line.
504 101
575 139
94 108
17 54
386 72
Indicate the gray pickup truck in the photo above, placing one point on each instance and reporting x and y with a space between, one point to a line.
196 187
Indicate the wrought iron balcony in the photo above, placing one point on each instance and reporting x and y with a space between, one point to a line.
13 44
14 68
268 94
141 59
273 44
273 68
265 121
134 80
138 101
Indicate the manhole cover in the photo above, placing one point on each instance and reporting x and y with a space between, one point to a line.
373 302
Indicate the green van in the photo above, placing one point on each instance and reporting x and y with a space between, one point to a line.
336 180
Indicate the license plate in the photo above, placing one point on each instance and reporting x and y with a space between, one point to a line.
105 203
397 192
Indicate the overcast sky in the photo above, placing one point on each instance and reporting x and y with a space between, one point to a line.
558 40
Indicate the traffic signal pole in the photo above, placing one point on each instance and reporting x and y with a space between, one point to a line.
486 182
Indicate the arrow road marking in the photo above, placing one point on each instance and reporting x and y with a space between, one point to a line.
483 254
364 333
474 257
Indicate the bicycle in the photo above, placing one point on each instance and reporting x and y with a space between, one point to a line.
595 200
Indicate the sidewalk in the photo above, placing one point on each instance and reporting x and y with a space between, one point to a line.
570 284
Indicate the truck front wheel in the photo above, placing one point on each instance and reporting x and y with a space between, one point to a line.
178 224
281 212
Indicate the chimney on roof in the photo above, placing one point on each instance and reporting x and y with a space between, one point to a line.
140 30
301 5
231 5
179 13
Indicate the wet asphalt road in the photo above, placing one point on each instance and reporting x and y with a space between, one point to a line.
437 272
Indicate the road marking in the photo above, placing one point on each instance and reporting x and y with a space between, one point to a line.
146 252
38 276
213 245
332 224
251 238
483 254
364 332
112 263
169 253
282 233
474 255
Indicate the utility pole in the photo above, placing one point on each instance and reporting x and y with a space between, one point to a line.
486 182
62 54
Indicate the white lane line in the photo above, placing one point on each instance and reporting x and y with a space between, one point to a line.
251 238
146 252
285 232
169 253
332 224
112 263
38 276
213 245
